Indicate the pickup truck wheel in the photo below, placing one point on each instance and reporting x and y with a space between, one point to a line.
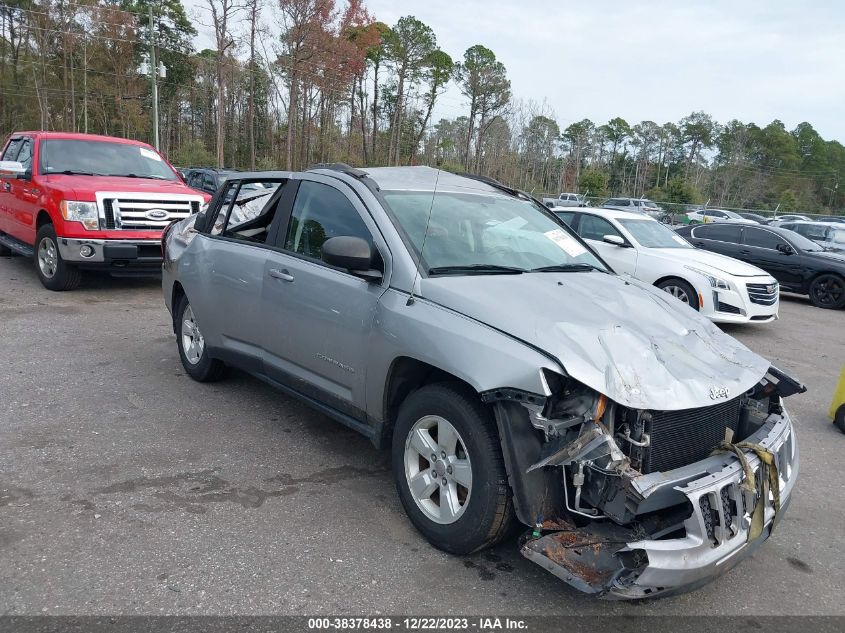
54 272
828 291
681 290
192 349
449 469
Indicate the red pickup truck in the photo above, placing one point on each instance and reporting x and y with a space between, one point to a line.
81 201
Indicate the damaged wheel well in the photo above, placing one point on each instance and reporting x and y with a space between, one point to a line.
406 376
175 297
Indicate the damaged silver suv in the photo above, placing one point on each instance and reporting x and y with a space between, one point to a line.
513 375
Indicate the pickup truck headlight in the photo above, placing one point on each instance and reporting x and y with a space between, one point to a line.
715 282
84 212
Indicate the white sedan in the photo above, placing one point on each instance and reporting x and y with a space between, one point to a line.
717 215
724 289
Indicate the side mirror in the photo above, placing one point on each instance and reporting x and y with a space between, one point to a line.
614 239
12 169
352 253
786 249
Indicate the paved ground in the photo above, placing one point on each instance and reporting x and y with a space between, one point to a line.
127 488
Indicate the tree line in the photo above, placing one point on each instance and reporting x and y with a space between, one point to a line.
290 83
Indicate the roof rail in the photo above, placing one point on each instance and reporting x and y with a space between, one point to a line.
492 182
341 167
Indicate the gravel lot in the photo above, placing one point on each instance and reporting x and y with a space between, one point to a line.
127 488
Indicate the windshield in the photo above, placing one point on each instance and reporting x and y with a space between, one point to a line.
485 232
102 158
651 234
731 214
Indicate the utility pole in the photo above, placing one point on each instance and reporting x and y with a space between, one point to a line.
154 79
85 83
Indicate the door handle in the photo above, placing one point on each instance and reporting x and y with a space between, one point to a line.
744 252
281 274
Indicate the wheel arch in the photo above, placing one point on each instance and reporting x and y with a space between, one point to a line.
175 297
405 376
42 218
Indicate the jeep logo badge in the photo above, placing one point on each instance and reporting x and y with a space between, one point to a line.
719 392
156 214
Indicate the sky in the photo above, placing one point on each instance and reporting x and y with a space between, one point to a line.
656 60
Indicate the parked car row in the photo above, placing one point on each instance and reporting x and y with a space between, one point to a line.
513 377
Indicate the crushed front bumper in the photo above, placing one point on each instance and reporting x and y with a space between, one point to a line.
622 562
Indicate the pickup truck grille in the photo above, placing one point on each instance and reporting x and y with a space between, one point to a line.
144 212
683 437
763 294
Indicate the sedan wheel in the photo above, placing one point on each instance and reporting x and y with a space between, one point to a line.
437 469
681 290
828 291
192 348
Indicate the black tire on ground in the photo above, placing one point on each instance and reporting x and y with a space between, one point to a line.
828 291
205 369
54 272
678 287
5 251
488 515
839 420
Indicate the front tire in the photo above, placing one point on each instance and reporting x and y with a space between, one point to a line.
681 290
449 469
192 348
53 271
828 291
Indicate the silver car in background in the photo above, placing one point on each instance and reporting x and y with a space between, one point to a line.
511 373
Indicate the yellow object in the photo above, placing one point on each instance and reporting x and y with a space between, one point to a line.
838 395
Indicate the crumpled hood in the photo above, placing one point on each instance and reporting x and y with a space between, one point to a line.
708 261
632 342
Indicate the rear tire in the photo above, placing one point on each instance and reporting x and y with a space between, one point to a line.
681 290
192 349
828 291
839 420
446 442
53 271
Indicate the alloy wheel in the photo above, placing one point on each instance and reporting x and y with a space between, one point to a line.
193 342
678 293
828 290
437 469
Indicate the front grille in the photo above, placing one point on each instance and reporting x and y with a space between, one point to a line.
144 212
763 294
683 437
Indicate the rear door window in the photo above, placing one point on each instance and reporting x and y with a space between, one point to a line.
718 232
762 239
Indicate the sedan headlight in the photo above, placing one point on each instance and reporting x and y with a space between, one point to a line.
715 282
84 212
